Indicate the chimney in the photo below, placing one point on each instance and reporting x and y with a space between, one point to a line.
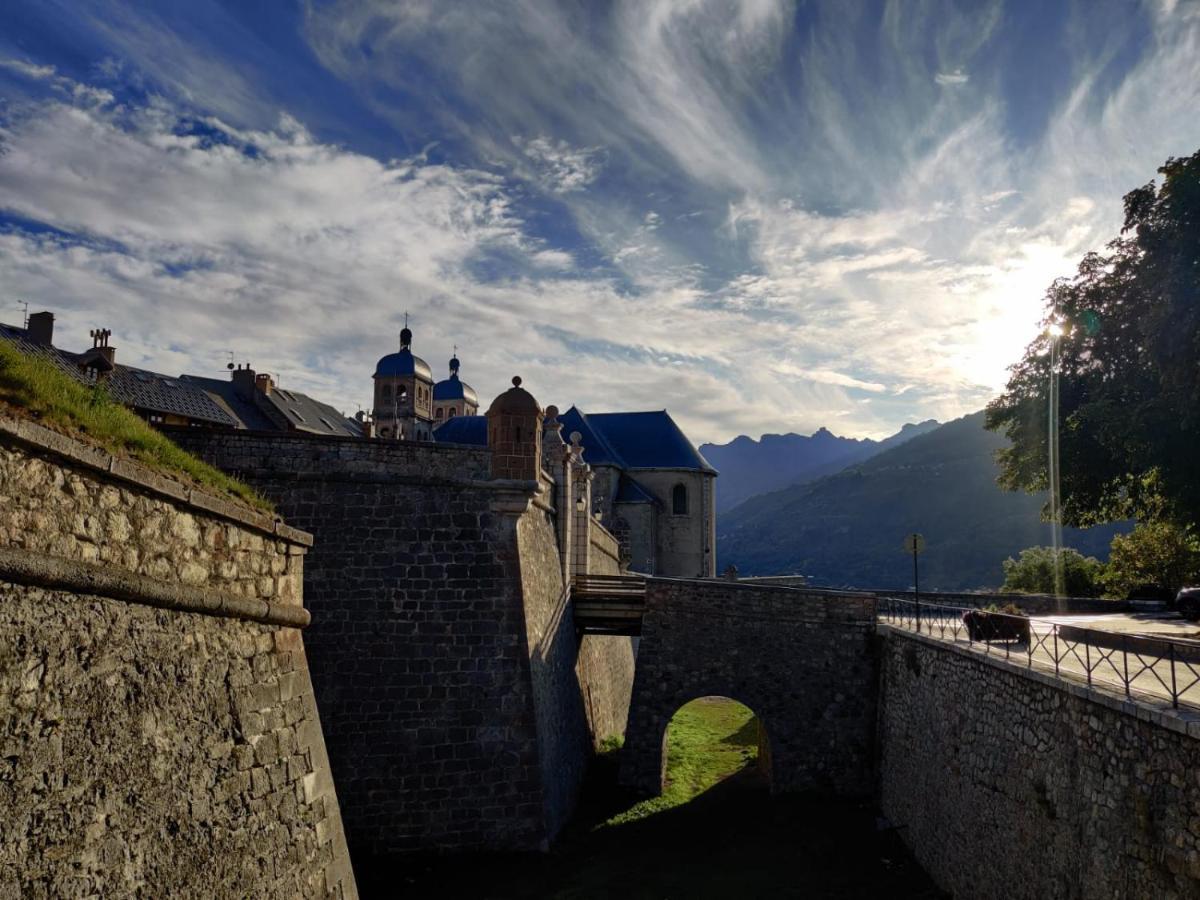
243 381
100 338
263 384
41 328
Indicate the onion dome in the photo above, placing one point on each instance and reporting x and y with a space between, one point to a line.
403 363
453 388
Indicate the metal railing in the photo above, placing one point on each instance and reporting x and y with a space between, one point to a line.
1149 667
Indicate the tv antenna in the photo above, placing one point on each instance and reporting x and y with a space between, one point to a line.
229 365
24 305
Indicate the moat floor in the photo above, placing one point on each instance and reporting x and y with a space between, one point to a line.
715 833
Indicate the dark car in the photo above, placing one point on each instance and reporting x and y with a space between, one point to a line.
1187 603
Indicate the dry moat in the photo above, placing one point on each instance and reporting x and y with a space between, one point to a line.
715 832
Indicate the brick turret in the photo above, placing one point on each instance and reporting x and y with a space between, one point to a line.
515 434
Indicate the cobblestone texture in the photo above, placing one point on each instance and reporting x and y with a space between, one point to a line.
801 660
1007 786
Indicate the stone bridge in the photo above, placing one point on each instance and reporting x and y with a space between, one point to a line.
802 660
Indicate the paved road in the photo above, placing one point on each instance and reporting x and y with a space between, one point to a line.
1149 674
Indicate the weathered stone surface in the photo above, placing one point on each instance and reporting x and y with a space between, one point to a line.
801 660
146 748
443 653
1008 785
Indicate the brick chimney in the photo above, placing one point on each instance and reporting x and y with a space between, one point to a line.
243 381
264 384
514 422
100 346
41 328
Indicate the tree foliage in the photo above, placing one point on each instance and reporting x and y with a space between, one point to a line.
1128 366
1155 554
1033 573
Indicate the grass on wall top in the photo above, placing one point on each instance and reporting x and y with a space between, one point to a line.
35 389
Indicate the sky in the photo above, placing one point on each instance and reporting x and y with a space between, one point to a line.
763 216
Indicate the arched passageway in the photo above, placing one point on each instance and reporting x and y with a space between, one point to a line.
709 740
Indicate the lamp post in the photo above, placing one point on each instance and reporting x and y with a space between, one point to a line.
1056 332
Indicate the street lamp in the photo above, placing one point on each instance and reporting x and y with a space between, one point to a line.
1056 330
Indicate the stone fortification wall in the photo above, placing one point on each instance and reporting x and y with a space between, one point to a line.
1033 604
442 649
158 731
802 660
1009 783
604 557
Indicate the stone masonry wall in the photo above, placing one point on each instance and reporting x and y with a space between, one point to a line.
801 660
158 731
441 650
563 745
1008 783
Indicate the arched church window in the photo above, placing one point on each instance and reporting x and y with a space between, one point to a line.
386 393
679 500
437 413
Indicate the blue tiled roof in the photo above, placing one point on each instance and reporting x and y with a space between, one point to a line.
629 491
402 363
462 430
635 440
596 450
454 389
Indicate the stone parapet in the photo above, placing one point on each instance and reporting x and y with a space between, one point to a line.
1008 782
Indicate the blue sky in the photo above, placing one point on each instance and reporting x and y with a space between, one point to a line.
764 216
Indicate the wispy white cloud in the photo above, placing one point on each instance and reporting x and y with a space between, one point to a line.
766 225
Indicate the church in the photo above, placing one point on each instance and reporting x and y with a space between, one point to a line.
651 487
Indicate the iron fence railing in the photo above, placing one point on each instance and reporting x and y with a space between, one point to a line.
1150 667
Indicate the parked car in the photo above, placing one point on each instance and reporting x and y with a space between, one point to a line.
1187 603
1151 592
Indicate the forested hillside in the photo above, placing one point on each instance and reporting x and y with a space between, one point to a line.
846 529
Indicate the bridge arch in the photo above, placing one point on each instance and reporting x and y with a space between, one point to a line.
802 660
761 738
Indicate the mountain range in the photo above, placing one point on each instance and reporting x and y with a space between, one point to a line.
846 529
749 467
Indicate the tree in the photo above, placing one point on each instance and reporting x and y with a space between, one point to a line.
1156 554
1033 572
1128 367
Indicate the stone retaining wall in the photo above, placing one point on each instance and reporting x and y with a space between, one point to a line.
158 731
1010 783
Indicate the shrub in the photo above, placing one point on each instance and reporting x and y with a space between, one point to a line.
1153 555
1033 573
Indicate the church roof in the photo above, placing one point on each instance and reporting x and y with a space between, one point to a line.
629 491
462 430
634 440
403 363
454 389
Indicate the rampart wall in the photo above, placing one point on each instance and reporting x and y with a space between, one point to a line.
1010 783
158 731
443 648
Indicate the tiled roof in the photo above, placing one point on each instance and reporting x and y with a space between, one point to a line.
138 388
629 491
462 430
635 440
163 394
301 412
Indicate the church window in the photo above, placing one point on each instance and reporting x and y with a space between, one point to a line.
387 393
679 500
437 413
451 415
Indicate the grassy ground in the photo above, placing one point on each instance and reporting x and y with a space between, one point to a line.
715 833
33 388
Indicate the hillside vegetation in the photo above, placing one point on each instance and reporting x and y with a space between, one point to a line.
846 529
33 388
749 467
